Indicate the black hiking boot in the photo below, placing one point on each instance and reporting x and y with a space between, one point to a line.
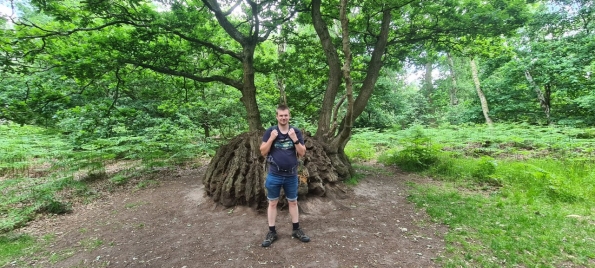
299 234
269 239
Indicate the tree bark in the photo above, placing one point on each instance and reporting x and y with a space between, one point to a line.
372 73
428 90
334 73
374 65
237 177
345 134
428 86
337 143
249 88
324 135
482 98
248 44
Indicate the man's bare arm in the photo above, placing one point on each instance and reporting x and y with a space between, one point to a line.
301 149
265 148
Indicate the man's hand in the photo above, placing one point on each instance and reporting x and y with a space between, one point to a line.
265 147
292 135
274 135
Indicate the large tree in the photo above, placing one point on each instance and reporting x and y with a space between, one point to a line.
380 32
216 41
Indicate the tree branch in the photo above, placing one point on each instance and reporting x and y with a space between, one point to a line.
224 22
209 45
51 33
343 136
374 65
216 78
334 76
336 115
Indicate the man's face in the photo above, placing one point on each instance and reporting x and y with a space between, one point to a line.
283 117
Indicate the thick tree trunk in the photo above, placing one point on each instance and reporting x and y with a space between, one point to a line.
325 134
482 97
248 43
249 89
236 173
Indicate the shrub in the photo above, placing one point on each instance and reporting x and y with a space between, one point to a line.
484 171
119 179
418 155
360 150
55 207
451 166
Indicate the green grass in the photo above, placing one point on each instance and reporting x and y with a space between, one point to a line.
365 145
511 195
13 246
358 150
23 198
496 231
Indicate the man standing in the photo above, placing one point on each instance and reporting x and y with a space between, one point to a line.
281 145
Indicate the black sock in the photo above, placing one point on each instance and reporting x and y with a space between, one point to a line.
296 225
272 229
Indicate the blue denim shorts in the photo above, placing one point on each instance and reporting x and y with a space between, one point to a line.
274 183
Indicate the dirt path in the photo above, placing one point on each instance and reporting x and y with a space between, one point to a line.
173 225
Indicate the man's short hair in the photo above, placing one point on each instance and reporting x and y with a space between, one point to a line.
282 107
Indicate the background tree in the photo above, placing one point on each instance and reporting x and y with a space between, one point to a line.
538 74
482 98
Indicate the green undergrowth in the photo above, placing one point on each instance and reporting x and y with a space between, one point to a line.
514 141
41 171
511 195
509 229
13 246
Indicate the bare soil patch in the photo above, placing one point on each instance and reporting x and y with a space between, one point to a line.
173 224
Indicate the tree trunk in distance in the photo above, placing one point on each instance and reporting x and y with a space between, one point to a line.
543 102
281 80
427 84
428 88
453 77
482 97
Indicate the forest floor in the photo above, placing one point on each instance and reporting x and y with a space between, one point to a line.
172 223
